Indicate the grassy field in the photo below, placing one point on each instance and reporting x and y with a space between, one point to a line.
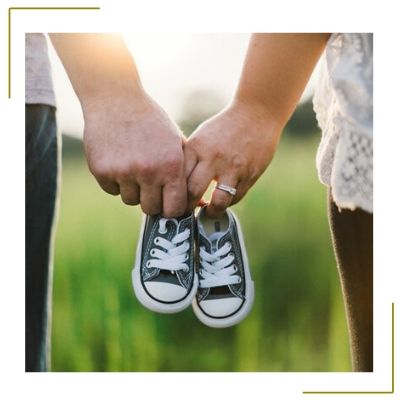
297 323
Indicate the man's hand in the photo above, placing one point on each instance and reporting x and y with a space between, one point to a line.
131 145
233 148
134 149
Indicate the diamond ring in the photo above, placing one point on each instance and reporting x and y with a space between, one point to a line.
229 189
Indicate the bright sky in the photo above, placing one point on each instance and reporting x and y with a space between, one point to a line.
171 66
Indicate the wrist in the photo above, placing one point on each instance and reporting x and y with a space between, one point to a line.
114 97
256 111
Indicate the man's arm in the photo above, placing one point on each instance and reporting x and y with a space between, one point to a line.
131 145
236 146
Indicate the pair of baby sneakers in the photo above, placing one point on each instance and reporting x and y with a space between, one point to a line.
194 260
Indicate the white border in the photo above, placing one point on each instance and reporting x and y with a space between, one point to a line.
196 16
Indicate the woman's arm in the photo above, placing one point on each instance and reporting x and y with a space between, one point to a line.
236 146
277 69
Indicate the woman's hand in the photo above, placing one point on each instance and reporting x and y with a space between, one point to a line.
234 148
237 145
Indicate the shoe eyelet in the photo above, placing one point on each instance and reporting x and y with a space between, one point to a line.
235 269
163 232
157 240
152 252
186 257
239 279
148 264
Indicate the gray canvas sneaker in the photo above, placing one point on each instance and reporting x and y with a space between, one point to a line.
226 290
164 278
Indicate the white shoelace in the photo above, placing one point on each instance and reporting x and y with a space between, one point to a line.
216 269
176 250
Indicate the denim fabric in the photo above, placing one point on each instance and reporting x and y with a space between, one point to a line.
40 199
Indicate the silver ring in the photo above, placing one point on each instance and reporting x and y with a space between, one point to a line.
229 189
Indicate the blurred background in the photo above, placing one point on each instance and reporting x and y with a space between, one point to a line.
298 321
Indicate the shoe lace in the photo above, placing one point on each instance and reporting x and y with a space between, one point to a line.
174 253
217 268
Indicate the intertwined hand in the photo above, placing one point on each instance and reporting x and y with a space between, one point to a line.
233 148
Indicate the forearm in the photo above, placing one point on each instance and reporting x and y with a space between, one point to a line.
276 71
131 145
99 66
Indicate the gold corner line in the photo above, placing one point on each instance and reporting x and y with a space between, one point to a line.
377 392
10 9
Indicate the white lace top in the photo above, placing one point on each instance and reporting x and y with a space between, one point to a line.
343 102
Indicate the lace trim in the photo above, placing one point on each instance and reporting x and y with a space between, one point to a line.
343 104
352 172
345 162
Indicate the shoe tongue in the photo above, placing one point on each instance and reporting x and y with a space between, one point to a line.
214 238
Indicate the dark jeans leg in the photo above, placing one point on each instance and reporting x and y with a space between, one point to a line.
40 199
352 236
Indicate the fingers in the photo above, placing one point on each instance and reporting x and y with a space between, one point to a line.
109 186
174 198
130 194
190 161
220 199
202 203
241 190
198 182
151 199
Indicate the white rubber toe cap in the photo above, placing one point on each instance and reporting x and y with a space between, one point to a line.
221 307
163 291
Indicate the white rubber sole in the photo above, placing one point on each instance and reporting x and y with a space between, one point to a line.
248 303
148 301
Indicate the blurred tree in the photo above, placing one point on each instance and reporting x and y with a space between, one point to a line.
72 147
303 121
200 105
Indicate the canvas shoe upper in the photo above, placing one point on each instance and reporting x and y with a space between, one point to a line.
164 275
226 291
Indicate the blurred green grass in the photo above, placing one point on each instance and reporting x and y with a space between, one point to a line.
297 323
